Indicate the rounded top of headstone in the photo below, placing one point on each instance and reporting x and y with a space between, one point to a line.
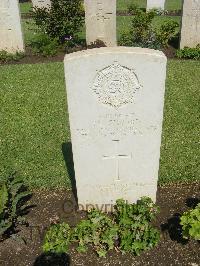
116 50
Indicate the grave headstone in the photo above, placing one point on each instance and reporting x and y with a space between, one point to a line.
115 102
11 37
190 29
41 3
159 4
100 20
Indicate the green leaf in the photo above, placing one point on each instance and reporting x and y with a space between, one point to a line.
16 201
3 197
4 226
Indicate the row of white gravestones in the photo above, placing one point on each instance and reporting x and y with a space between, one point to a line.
159 4
116 111
41 3
11 37
190 31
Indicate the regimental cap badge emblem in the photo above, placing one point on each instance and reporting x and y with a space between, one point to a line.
116 85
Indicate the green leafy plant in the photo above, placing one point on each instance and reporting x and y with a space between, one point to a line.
44 45
7 57
13 195
166 31
132 8
189 53
135 232
143 34
57 238
190 222
129 229
99 230
63 20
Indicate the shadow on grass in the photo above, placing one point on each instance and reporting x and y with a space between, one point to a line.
68 157
52 259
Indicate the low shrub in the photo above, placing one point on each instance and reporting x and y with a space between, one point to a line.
57 238
135 232
190 222
142 33
13 196
63 20
98 230
44 45
132 8
129 229
6 57
189 53
166 32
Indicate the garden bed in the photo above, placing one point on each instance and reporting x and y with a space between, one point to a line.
30 58
167 13
51 206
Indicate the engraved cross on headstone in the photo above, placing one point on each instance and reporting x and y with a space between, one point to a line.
117 157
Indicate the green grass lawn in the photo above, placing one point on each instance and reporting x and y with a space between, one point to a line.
173 4
121 5
34 123
169 4
25 7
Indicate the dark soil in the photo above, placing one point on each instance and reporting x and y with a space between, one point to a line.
30 58
24 248
170 52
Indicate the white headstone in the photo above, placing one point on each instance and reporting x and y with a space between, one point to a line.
100 19
41 3
159 4
190 32
115 102
11 38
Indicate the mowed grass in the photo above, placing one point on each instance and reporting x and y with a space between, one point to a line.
35 127
34 123
169 4
25 7
180 152
121 5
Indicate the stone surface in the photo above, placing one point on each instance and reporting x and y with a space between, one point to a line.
160 4
115 102
190 32
11 37
100 20
41 3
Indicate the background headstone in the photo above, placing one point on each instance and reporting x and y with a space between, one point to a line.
11 37
116 111
190 31
41 3
160 4
100 20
